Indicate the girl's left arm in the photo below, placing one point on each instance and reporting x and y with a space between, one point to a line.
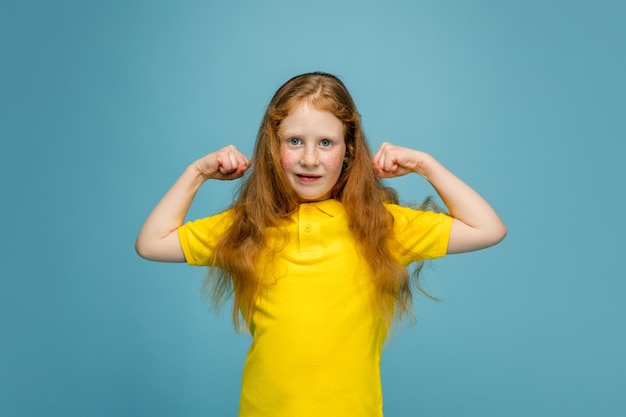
475 226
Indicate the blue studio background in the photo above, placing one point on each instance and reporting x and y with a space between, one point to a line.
103 104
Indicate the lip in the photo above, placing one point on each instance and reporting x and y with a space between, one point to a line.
308 178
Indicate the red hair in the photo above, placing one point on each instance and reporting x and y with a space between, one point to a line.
265 198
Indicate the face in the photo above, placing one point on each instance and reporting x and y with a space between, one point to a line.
312 150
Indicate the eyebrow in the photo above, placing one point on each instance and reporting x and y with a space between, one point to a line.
283 134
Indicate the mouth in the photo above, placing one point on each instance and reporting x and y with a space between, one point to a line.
307 178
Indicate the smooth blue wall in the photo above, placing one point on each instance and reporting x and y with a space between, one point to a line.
103 104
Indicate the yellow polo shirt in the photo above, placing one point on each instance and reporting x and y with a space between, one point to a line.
316 338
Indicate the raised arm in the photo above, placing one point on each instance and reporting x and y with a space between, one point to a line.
158 238
475 226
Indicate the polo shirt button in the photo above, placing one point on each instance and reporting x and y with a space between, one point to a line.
307 210
307 228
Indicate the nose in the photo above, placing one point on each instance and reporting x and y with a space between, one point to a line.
309 157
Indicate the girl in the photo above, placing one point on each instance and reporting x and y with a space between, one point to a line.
314 249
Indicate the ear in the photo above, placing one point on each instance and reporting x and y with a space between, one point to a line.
349 152
349 156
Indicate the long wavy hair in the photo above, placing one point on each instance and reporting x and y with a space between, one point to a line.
265 198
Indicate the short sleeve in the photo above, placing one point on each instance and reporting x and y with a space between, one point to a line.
421 235
199 238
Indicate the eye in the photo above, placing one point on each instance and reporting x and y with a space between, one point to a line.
325 142
294 141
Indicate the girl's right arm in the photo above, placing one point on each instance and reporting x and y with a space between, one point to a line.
158 238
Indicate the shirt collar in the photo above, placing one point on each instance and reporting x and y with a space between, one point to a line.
330 207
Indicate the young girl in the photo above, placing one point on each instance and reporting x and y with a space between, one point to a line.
314 249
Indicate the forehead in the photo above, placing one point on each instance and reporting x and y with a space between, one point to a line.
306 117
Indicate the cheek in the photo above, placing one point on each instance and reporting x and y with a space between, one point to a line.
286 160
335 163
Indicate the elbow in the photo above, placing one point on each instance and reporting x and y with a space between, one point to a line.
142 249
139 249
160 250
492 236
464 238
499 233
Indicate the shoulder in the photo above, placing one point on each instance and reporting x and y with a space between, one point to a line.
199 238
422 234
215 223
403 215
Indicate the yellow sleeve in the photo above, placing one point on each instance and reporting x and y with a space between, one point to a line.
421 235
199 238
